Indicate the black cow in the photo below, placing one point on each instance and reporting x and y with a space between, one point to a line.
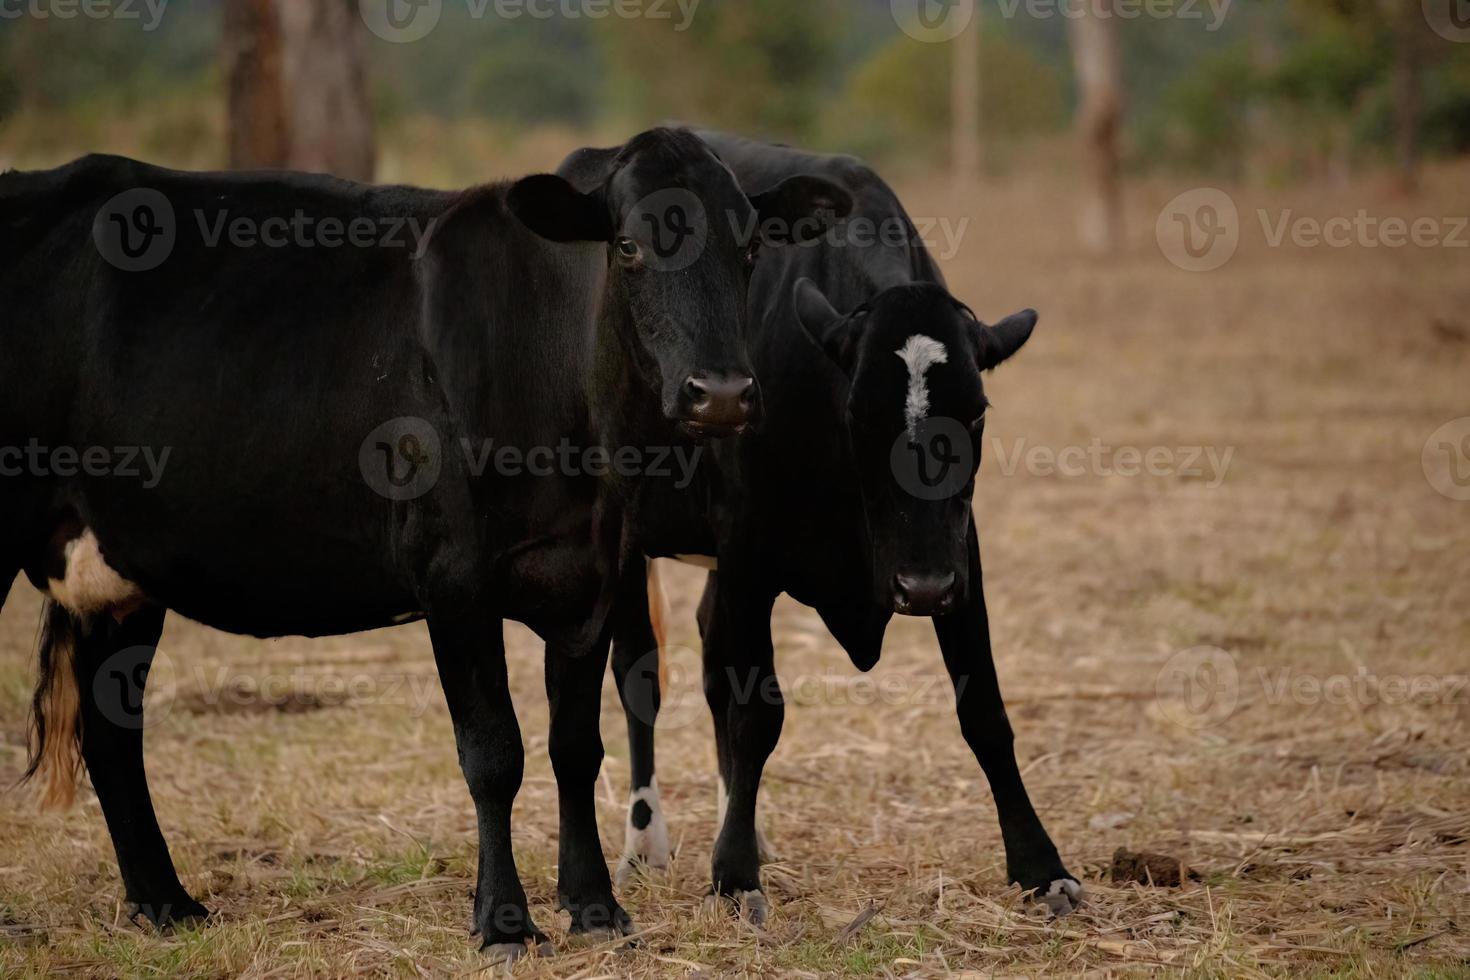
323 411
853 496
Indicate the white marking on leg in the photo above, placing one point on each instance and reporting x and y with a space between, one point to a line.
920 353
1063 897
648 847
707 562
90 585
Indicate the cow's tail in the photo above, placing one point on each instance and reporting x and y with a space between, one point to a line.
659 614
56 710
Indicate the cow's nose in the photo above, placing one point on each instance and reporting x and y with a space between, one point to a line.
718 402
923 595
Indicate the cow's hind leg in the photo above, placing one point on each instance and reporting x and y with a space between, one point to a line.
717 696
112 664
1031 857
637 641
574 687
469 651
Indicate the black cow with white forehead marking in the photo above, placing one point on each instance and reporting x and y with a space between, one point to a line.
323 410
853 497
915 415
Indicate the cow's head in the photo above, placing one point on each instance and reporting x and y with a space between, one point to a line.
915 417
682 239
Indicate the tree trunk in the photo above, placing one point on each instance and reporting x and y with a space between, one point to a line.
298 91
1408 99
965 104
1097 55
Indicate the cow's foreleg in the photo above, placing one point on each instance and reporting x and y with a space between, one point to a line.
1031 857
470 653
636 670
574 687
112 663
740 676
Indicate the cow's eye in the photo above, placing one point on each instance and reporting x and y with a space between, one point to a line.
628 250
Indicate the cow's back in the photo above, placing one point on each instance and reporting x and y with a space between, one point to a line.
262 369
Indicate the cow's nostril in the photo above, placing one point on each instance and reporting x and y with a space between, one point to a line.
697 392
923 595
719 400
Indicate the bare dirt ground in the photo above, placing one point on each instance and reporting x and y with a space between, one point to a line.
1260 671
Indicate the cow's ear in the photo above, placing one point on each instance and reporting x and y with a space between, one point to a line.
589 168
800 209
995 345
834 333
558 212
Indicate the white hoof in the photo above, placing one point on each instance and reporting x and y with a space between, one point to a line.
1063 897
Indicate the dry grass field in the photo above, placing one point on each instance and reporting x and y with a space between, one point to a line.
312 798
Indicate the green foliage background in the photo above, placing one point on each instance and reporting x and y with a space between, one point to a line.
1285 88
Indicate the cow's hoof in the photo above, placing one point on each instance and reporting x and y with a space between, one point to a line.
595 923
1061 897
181 913
510 952
753 906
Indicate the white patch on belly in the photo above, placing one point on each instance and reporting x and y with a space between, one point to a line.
90 585
648 847
920 353
707 562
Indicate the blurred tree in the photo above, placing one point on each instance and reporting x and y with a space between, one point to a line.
521 75
902 95
965 104
1202 124
1098 59
759 66
298 89
1378 35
